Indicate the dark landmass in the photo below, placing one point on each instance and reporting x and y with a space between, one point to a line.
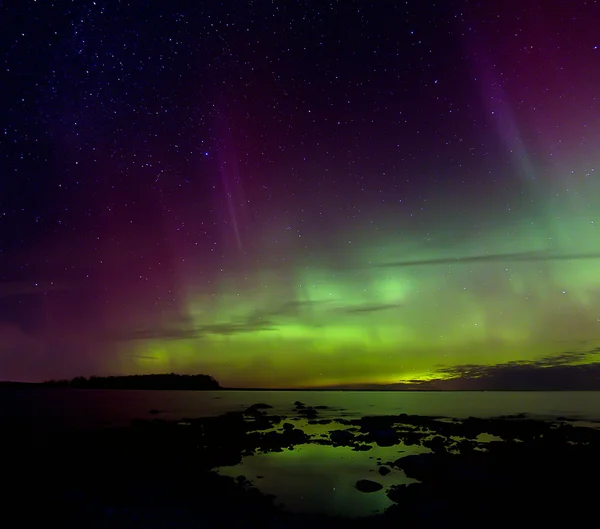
24 385
170 381
157 473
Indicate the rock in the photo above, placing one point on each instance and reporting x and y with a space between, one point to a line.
411 439
345 422
404 493
308 412
385 437
466 446
436 443
288 426
296 436
299 404
257 407
421 466
341 437
384 471
366 485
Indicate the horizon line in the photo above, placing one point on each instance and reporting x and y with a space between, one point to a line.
325 389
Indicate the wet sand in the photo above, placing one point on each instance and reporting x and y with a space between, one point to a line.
424 472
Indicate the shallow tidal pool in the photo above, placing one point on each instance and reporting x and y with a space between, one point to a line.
314 478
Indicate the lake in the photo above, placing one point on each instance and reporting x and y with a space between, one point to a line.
87 408
310 478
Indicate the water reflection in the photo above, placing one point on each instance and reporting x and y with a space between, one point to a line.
314 478
321 479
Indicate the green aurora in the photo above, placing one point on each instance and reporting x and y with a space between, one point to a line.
289 195
375 318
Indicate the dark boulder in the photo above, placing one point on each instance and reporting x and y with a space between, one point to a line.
437 443
366 485
384 471
405 493
385 437
308 413
341 437
423 467
257 408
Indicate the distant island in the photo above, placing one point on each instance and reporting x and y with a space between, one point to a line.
168 381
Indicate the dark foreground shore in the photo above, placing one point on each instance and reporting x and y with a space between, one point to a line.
157 474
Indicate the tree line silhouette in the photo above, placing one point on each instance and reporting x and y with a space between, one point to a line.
170 381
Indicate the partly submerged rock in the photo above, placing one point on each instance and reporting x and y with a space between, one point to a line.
341 437
436 443
307 412
366 485
361 448
384 471
258 407
404 493
385 437
421 466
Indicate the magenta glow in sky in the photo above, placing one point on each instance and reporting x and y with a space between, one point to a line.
279 195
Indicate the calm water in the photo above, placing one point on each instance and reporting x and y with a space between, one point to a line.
66 407
310 478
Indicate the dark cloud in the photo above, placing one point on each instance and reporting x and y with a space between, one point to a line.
508 257
201 331
299 308
256 321
291 309
153 334
361 309
471 371
262 320
564 371
560 372
230 328
528 377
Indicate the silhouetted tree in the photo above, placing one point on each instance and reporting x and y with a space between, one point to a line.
170 381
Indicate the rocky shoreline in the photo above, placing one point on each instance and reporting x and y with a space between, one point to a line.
157 473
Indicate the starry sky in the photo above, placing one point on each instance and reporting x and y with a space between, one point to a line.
299 194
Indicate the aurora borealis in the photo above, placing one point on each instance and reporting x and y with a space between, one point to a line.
297 195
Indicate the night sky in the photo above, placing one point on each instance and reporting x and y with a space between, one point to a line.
310 193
